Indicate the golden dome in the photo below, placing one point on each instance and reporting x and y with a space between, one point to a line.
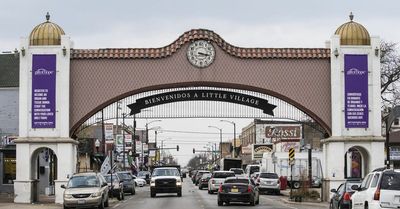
352 33
47 33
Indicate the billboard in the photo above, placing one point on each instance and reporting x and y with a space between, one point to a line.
109 131
356 91
44 91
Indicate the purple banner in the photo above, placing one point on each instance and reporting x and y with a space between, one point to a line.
356 91
43 91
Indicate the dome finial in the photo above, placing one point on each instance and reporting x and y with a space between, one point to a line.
48 17
351 16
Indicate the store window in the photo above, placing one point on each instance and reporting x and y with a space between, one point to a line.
9 168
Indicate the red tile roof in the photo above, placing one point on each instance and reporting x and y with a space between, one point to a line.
196 34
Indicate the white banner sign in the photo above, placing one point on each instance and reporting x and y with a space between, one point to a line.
105 167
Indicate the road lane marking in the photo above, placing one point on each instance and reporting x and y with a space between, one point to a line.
115 206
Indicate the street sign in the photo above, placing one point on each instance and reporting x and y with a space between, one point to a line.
291 156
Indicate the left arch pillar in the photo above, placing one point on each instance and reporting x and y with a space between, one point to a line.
25 190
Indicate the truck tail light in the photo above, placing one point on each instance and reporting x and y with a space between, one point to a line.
377 193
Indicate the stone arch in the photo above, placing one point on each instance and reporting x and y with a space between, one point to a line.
315 116
43 171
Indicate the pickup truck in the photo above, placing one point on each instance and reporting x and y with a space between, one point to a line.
165 180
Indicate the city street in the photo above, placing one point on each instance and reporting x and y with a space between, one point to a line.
194 198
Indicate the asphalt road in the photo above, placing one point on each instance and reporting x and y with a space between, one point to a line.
193 198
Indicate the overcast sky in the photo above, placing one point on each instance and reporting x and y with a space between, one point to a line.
150 23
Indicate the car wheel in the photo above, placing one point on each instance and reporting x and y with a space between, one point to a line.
296 185
65 207
133 191
220 203
366 205
211 192
252 202
258 201
180 193
101 206
119 196
152 193
200 187
106 203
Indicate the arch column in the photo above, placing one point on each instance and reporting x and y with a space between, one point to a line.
65 149
44 113
356 108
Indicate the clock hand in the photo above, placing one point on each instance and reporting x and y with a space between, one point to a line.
201 53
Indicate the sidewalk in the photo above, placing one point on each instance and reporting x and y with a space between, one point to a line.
285 198
46 202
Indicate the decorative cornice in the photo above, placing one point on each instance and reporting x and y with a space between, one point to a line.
45 140
358 139
196 34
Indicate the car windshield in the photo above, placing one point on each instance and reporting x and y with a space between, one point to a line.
166 172
254 169
124 176
237 171
83 181
390 181
223 174
242 181
269 175
143 173
206 175
108 178
349 184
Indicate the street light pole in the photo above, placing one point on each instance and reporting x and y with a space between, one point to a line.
123 140
220 139
234 136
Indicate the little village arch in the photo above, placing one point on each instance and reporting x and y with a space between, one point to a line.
61 87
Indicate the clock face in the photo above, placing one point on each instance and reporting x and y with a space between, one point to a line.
201 53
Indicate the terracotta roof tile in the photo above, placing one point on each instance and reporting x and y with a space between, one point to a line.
154 53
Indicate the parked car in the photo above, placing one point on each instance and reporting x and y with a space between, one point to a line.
237 171
128 181
238 189
379 189
203 183
116 188
194 173
341 198
218 178
198 176
144 175
86 190
139 181
269 182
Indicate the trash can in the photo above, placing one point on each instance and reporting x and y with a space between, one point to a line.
284 182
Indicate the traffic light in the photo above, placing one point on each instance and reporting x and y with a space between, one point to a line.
194 151
177 147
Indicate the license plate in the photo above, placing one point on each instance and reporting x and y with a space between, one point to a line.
81 201
234 190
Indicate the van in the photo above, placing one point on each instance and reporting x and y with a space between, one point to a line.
251 169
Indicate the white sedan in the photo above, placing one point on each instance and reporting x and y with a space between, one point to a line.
139 182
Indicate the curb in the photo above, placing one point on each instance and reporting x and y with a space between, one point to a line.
305 203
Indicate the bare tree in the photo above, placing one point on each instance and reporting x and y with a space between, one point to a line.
390 74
